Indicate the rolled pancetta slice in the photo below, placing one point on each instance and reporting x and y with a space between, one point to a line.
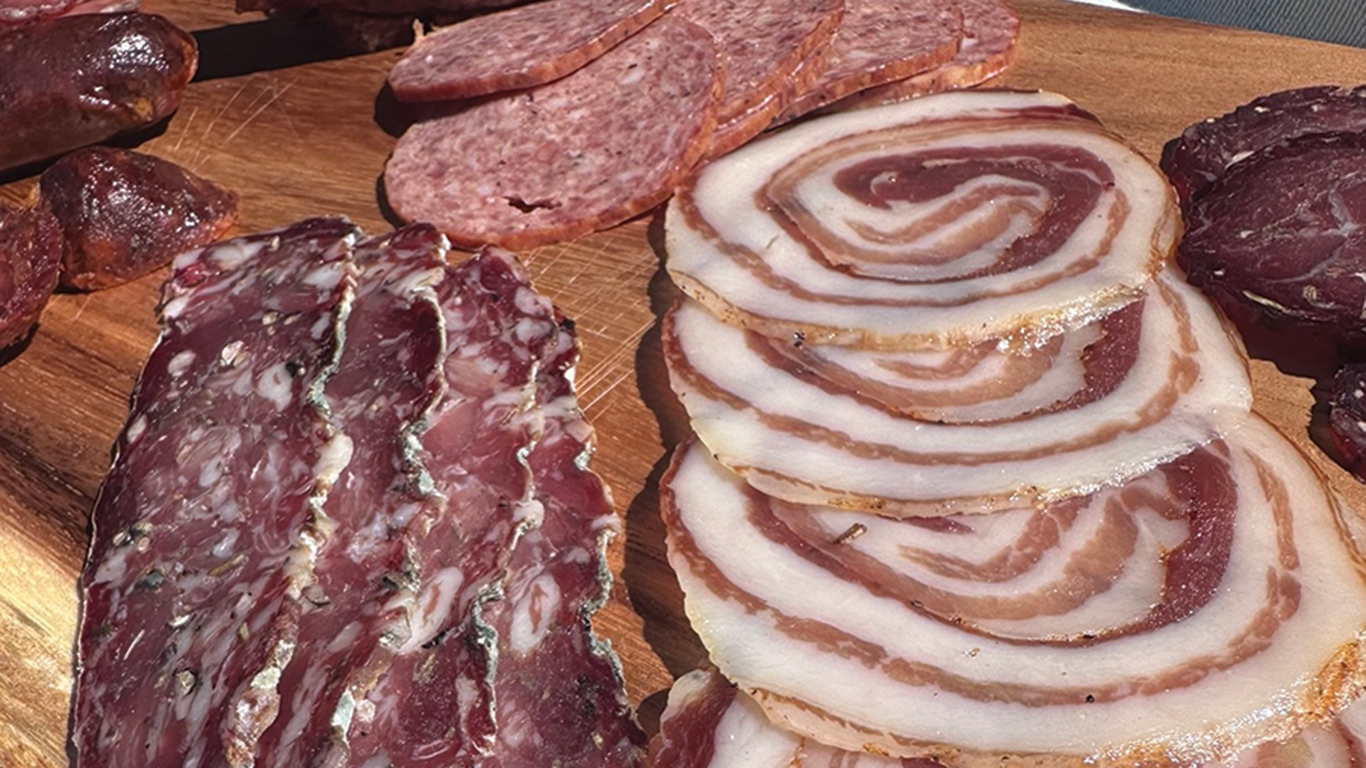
1212 604
970 429
946 220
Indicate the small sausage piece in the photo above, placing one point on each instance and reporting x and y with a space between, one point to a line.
78 80
30 255
125 214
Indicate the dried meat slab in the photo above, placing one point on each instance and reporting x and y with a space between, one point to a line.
433 705
558 578
517 48
555 162
30 261
205 527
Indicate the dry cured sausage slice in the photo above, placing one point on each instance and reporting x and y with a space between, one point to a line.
557 687
1175 619
924 433
744 126
1283 233
869 51
1205 150
942 221
387 379
30 260
578 164
204 528
433 705
518 48
762 43
46 110
125 214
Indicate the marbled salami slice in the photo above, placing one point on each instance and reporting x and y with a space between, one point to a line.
869 51
1174 620
517 48
739 129
557 687
762 43
941 221
434 705
1283 233
1204 151
207 525
389 376
925 433
30 261
578 163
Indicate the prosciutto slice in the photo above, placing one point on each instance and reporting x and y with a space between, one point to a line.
1177 618
947 220
968 429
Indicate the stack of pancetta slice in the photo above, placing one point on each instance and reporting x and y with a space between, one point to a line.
549 121
977 480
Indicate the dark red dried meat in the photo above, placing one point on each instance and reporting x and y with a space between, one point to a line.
30 256
72 81
1347 417
125 214
1205 150
1284 232
16 12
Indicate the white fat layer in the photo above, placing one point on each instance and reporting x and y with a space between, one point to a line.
434 606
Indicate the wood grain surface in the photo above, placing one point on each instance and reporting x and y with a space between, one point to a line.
298 133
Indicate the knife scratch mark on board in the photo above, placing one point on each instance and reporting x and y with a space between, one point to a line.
275 94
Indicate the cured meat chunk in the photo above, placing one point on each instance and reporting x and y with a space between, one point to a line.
1347 416
125 214
1283 233
434 705
762 43
558 688
1204 151
868 51
1172 620
970 429
566 175
46 110
518 48
205 527
387 380
30 258
708 724
16 12
948 220
991 43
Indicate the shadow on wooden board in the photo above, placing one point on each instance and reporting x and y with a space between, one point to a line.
234 50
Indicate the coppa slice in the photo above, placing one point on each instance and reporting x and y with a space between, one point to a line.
1173 620
880 41
1205 150
566 158
965 430
942 221
518 48
205 526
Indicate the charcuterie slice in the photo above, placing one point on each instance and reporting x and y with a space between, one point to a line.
948 220
1205 150
204 529
517 48
1175 619
578 162
925 433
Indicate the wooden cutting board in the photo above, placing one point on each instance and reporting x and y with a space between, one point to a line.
298 135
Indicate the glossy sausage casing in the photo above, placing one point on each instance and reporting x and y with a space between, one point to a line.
78 80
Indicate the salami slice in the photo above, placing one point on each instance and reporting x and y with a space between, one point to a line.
558 688
30 261
868 51
578 163
205 528
739 129
1283 233
517 48
1204 151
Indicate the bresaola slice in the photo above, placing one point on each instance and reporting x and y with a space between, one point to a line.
971 429
205 528
1171 620
565 175
942 221
1204 151
517 48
